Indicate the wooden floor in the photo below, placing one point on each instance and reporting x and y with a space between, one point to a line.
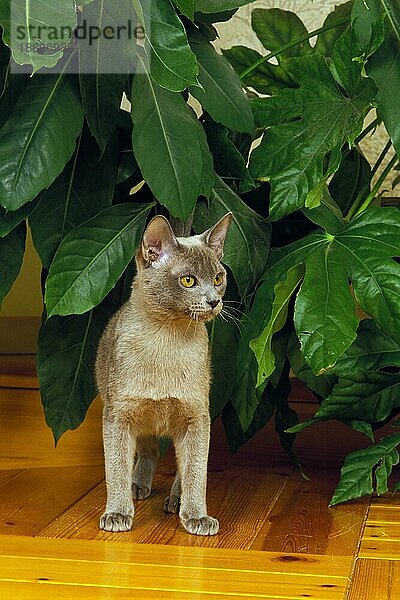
278 538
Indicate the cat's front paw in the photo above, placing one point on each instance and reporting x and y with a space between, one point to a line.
140 492
171 504
115 521
203 526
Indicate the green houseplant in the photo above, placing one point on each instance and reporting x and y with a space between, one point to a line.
86 176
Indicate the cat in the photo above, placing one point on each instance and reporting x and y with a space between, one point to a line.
153 374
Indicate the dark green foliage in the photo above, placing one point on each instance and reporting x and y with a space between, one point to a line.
87 176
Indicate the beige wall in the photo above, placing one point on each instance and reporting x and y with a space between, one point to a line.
25 298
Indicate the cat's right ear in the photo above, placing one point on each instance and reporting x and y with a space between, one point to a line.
159 241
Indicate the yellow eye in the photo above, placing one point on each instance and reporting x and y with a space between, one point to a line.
218 279
187 281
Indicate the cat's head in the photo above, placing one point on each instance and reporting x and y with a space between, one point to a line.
183 277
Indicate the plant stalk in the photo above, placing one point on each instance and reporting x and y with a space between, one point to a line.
291 44
380 158
377 185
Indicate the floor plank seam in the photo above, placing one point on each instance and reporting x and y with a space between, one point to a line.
357 552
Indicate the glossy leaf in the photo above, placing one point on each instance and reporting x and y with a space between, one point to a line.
92 257
28 26
65 362
247 244
384 65
221 95
214 6
171 62
326 39
351 180
39 138
84 188
372 350
164 128
292 154
224 335
104 66
12 249
275 27
320 384
356 478
268 78
10 220
262 345
228 161
365 395
186 7
360 252
327 330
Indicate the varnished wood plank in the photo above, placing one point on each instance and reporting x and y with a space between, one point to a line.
43 590
301 520
373 580
380 548
384 514
382 529
26 441
32 498
240 498
149 567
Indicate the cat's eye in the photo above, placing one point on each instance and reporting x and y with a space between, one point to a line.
218 279
188 281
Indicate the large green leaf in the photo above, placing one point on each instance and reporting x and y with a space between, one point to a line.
92 257
12 249
293 153
242 417
164 129
186 7
104 66
356 477
224 333
65 362
39 138
84 188
367 396
361 252
30 26
328 329
262 345
10 220
221 95
384 65
171 62
320 384
351 180
228 161
276 27
268 78
214 6
372 350
247 244
326 39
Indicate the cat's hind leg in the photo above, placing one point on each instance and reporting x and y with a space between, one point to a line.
146 461
172 502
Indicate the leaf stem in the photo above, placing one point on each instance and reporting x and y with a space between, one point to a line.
380 158
366 131
291 44
377 185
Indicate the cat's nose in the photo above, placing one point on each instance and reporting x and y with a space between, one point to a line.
213 303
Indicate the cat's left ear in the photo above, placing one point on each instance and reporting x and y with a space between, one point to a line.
215 236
